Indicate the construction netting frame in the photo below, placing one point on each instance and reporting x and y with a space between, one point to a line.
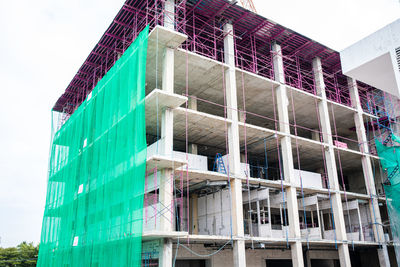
390 162
94 206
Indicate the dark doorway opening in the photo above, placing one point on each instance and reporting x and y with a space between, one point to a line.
190 263
279 263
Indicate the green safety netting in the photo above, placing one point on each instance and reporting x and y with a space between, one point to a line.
93 213
390 161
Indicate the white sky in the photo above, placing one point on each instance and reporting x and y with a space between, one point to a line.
44 42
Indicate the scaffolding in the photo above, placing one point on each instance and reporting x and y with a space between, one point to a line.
94 204
228 136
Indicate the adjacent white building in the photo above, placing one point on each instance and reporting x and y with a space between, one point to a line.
375 60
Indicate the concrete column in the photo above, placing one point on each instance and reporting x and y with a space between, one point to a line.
315 136
308 258
383 256
168 81
287 158
192 103
169 14
338 215
193 149
167 133
165 255
241 116
166 196
319 220
194 218
360 224
231 100
239 252
368 172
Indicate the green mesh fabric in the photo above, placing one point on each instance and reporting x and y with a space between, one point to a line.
93 213
390 161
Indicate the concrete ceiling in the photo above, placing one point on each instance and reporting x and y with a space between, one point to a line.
205 81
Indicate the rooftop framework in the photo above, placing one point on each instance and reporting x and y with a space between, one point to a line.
202 22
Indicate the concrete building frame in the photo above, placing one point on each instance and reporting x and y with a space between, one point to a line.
217 99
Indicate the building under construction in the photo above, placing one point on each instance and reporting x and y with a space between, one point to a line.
198 133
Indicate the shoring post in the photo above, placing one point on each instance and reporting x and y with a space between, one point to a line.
239 252
287 158
368 173
336 200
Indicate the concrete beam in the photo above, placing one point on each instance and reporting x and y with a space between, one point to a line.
287 158
340 228
239 252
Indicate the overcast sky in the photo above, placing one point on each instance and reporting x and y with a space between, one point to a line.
44 42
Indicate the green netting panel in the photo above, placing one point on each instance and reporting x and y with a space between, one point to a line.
390 161
93 214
